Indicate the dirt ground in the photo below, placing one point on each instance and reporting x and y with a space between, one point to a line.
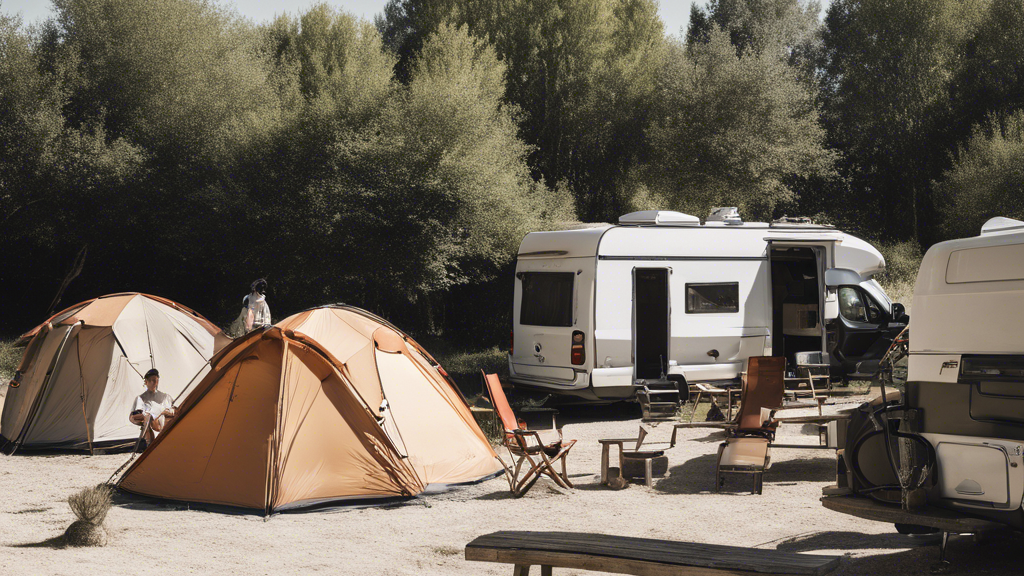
427 535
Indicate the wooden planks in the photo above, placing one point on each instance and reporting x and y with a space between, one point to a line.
945 520
641 556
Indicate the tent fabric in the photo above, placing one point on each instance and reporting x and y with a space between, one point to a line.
311 411
83 368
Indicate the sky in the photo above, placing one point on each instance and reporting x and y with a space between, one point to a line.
674 13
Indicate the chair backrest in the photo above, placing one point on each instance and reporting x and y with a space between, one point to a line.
640 438
764 388
500 402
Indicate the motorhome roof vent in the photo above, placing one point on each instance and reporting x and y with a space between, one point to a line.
659 218
727 214
787 221
1000 224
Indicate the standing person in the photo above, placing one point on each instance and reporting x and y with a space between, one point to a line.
255 312
258 312
153 406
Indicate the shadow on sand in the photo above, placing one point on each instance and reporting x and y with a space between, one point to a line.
55 542
999 553
697 475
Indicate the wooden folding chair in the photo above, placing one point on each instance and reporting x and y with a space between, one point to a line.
525 447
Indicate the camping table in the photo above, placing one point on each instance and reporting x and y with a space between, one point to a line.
704 388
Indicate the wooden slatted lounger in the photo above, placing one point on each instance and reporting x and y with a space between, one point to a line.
640 556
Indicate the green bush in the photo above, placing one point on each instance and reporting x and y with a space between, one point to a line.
10 356
902 261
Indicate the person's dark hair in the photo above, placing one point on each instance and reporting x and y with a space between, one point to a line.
260 286
152 372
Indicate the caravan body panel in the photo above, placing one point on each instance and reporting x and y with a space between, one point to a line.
719 299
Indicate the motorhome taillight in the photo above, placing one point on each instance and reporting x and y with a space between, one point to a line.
577 355
511 342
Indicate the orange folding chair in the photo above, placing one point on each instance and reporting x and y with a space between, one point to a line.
525 447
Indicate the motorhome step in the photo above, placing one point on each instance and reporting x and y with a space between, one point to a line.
939 518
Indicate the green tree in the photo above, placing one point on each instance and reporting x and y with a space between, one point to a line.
785 26
581 73
435 192
991 79
733 131
986 178
886 77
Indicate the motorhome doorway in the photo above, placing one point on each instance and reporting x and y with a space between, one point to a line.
796 301
651 310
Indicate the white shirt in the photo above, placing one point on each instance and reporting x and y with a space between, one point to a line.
153 402
257 303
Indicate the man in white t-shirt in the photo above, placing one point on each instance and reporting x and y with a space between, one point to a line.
153 406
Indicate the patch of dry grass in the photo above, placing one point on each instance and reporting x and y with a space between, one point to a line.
10 357
92 504
902 261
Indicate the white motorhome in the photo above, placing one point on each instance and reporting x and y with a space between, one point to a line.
598 308
965 382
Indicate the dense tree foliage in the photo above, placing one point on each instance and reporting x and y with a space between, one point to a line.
986 179
172 146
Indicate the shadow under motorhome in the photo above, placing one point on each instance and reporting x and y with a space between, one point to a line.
598 308
965 386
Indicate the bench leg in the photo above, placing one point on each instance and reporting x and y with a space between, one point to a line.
545 571
521 570
604 464
648 474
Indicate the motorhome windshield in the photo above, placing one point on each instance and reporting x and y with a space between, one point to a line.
547 298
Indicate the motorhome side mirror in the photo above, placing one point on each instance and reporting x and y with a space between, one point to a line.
899 313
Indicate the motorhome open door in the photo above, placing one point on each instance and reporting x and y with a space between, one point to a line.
864 326
651 322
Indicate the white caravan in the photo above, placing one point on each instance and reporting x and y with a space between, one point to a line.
965 382
597 309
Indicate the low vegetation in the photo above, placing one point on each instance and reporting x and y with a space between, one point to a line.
10 356
90 507
902 261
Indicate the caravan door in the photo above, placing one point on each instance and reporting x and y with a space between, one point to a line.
865 325
651 322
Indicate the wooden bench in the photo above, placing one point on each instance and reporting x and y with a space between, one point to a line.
640 556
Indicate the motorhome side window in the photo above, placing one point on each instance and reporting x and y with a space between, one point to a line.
712 298
857 306
547 298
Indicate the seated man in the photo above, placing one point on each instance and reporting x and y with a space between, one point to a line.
152 406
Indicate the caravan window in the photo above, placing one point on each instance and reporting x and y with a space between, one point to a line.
547 298
712 298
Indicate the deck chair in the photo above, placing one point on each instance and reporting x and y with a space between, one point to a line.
747 450
525 447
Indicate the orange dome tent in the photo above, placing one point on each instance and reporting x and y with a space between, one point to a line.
330 404
83 368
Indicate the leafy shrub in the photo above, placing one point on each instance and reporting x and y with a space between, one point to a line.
902 261
10 356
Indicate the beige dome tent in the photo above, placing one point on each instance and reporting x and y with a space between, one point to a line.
82 370
331 404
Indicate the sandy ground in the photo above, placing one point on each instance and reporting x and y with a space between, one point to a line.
428 535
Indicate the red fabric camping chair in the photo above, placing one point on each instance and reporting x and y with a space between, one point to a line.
526 446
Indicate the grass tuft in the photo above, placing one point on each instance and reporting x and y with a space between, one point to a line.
92 504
